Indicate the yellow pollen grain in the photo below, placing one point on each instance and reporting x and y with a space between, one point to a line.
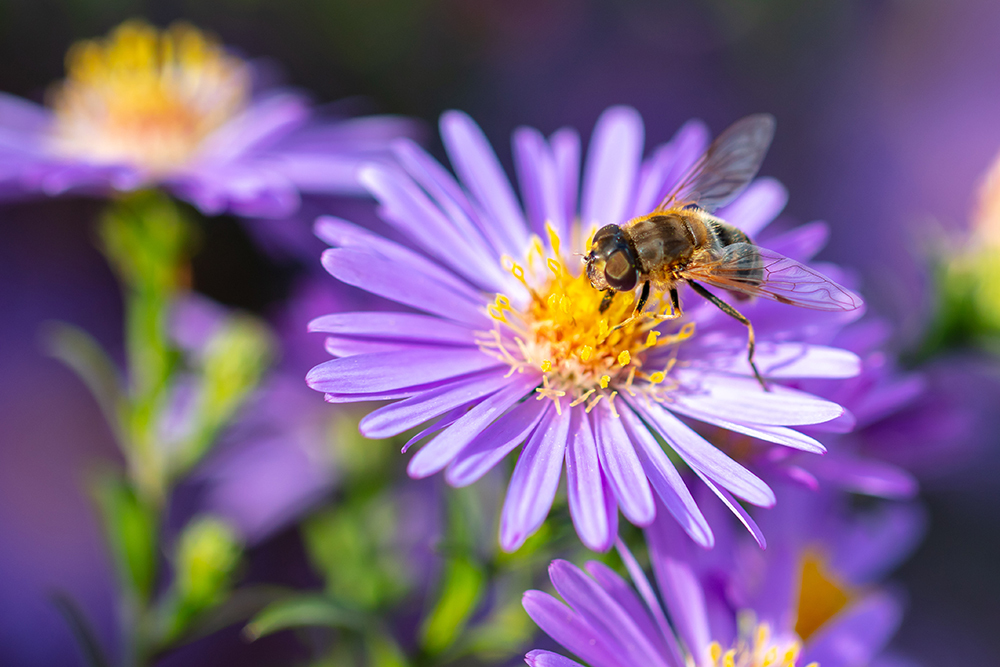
715 651
546 366
605 381
657 377
586 352
651 338
624 358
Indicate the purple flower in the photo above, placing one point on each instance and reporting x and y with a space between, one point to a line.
506 316
810 600
172 109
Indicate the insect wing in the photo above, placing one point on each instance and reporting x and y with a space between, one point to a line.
727 167
744 267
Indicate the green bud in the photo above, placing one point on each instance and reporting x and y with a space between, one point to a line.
205 559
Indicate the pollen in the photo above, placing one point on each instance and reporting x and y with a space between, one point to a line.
755 646
146 97
562 330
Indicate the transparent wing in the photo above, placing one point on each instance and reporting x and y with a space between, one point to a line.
744 267
727 167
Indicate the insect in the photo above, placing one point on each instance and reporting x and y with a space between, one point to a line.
682 242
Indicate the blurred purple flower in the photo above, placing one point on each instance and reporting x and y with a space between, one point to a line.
811 600
498 330
172 109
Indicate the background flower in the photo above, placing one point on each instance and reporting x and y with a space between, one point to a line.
144 108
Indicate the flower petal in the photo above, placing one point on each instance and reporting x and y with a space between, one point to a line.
540 658
568 628
669 163
612 163
621 464
533 485
759 204
736 509
566 151
601 611
801 243
858 633
625 596
742 399
584 489
701 455
478 167
777 434
394 326
403 415
370 373
495 442
667 481
440 451
378 275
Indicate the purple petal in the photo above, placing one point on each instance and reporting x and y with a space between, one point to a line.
778 434
540 658
701 455
394 326
584 489
533 485
381 276
867 476
621 464
667 481
566 151
440 451
243 187
736 509
742 399
368 373
612 163
408 208
442 187
801 243
601 611
623 594
318 173
478 167
343 234
792 360
537 179
759 204
340 346
263 122
403 415
662 172
682 595
568 628
497 441
857 634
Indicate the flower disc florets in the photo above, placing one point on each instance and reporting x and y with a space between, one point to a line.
146 97
585 353
756 647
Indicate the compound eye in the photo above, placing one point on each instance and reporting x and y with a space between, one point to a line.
620 272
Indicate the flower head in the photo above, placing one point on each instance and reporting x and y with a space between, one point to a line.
810 602
145 107
513 344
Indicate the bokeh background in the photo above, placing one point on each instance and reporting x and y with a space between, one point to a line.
888 114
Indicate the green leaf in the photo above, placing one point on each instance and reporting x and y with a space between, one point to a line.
302 610
383 651
77 349
82 631
461 590
131 527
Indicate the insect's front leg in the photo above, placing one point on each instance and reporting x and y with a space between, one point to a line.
606 301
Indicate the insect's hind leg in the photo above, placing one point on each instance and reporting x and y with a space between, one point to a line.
643 298
740 317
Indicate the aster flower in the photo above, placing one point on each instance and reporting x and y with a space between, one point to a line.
811 601
508 317
173 109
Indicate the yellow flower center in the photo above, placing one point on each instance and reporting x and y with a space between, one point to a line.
146 97
584 354
755 647
821 596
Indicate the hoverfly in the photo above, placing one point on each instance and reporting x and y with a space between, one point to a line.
682 242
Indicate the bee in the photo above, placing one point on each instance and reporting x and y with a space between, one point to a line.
680 241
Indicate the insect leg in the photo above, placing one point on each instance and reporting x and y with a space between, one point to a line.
675 304
732 312
643 298
606 301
